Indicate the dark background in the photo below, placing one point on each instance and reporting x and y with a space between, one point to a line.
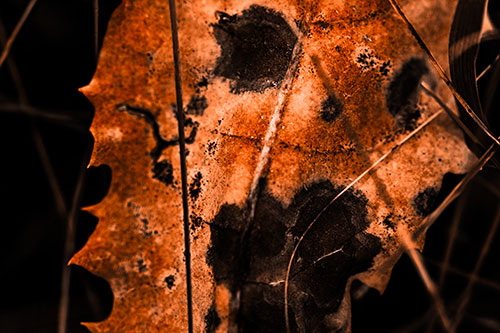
52 57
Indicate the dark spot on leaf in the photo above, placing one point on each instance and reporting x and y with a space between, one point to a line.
389 222
256 48
385 68
322 24
261 315
367 59
195 186
425 202
212 146
142 266
188 122
331 108
196 221
225 243
402 97
212 320
164 172
252 258
203 83
170 281
145 228
197 105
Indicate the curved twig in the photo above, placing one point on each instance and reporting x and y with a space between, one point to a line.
13 35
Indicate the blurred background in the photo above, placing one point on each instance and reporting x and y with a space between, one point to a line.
46 146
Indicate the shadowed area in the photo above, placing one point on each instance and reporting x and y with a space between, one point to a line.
254 260
402 93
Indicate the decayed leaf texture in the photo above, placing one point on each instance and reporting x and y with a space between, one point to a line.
286 104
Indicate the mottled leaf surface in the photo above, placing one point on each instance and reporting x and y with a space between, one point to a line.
339 80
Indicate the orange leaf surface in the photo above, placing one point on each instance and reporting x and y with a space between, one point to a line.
287 103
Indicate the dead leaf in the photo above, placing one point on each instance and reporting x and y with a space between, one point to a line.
287 103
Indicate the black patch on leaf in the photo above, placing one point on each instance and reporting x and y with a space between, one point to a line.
402 97
195 186
384 68
145 228
188 122
141 266
331 108
196 221
164 172
389 223
212 320
256 48
203 83
197 105
252 257
322 24
425 202
170 281
261 312
211 148
367 60
225 236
